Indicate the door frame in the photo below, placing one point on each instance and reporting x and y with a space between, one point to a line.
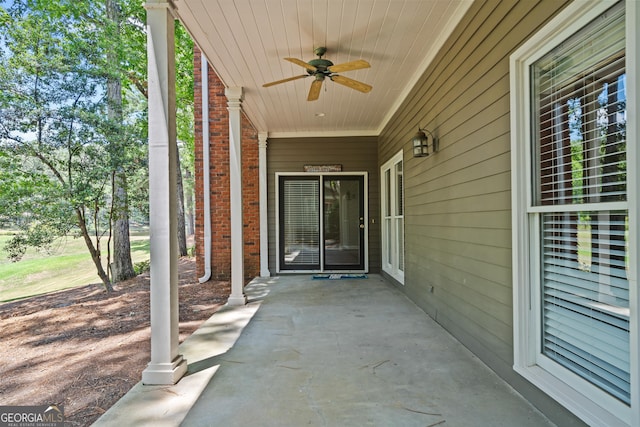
320 175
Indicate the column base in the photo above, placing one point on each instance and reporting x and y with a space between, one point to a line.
165 373
235 300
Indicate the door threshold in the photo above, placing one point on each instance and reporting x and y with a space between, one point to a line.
337 276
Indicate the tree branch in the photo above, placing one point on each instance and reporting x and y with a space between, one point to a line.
139 84
50 165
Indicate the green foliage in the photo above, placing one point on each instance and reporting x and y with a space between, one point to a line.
61 139
59 142
142 266
16 247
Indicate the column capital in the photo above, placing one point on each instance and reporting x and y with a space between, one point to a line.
161 4
262 139
234 94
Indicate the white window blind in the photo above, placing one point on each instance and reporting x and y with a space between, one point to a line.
579 155
580 99
586 297
301 222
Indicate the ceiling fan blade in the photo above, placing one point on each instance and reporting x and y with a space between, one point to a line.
353 84
314 92
348 66
301 63
277 82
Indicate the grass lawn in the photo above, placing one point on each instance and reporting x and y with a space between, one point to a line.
67 266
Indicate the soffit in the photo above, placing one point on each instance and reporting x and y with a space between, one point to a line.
245 41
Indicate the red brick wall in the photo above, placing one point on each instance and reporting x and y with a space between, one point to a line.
219 179
250 199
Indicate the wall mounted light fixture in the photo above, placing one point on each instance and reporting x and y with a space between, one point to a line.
421 145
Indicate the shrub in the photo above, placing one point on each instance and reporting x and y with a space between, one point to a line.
142 266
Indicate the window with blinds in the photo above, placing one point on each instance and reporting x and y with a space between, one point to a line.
579 199
301 222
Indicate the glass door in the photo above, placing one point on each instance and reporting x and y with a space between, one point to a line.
322 222
344 222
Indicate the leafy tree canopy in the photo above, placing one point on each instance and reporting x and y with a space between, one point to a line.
60 141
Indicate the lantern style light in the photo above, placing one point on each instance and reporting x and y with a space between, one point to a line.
421 145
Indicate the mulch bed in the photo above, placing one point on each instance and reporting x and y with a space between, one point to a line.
83 348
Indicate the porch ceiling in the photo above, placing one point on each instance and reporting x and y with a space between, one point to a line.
246 40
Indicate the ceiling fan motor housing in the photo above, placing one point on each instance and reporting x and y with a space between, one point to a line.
321 65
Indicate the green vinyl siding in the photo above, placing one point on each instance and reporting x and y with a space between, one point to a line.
458 200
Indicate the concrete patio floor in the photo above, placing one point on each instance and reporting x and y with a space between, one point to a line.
348 352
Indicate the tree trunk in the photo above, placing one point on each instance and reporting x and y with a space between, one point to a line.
182 237
122 265
188 201
94 251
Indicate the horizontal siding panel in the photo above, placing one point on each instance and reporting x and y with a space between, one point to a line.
432 193
486 202
470 258
493 219
480 236
480 141
495 294
465 302
464 120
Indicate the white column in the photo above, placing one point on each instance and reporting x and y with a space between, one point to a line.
234 103
264 230
166 365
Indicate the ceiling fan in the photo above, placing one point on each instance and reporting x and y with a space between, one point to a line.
321 68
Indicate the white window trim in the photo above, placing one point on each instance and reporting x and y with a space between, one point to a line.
391 269
586 401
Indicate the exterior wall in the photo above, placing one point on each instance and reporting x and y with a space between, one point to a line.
219 179
355 154
458 201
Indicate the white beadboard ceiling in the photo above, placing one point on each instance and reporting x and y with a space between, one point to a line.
245 42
